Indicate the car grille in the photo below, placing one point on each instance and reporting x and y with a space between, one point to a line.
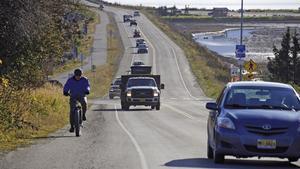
256 150
142 93
261 131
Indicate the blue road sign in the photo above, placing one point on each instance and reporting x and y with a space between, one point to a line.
240 51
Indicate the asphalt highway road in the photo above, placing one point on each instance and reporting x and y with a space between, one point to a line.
173 137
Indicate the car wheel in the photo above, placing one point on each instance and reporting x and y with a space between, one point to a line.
218 158
152 107
111 97
158 107
125 107
210 153
293 159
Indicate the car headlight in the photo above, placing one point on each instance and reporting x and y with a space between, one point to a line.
128 94
225 122
155 94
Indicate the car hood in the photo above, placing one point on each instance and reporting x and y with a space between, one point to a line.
260 116
142 87
115 86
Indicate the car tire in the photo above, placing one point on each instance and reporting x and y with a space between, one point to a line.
293 159
111 97
125 107
218 158
158 107
152 107
210 153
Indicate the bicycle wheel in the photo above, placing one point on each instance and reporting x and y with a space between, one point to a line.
77 121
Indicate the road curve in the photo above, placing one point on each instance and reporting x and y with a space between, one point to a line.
174 137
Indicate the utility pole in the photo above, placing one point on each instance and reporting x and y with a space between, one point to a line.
241 37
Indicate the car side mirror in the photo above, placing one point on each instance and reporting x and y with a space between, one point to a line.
162 86
212 106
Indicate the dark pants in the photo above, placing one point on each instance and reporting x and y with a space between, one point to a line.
73 101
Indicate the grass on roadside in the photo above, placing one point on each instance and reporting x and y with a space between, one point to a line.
101 79
34 114
86 43
70 65
210 71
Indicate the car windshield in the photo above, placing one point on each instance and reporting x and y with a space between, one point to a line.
142 45
118 82
138 63
259 97
141 82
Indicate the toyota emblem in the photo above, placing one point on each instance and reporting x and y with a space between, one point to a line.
267 127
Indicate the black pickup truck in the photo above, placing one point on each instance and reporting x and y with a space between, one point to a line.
139 88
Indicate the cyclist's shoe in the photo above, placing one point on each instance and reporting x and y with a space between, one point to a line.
83 117
71 130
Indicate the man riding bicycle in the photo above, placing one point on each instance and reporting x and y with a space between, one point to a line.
77 87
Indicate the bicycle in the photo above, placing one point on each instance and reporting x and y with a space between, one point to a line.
77 119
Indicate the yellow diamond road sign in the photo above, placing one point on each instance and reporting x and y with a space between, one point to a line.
250 66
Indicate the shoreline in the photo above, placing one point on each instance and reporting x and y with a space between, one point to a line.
259 41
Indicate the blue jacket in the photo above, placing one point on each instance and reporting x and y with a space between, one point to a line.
77 88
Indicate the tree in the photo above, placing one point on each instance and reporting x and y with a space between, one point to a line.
173 11
280 66
295 60
31 38
162 11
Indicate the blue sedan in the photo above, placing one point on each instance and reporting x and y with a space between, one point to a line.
254 119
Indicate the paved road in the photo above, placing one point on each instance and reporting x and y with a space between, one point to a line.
174 137
98 51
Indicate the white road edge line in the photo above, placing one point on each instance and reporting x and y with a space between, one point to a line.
135 143
175 55
182 113
180 74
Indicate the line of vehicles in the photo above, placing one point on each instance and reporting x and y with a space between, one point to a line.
249 119
139 86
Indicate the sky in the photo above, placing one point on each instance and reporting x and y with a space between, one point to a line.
232 4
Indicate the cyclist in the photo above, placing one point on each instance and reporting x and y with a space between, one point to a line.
77 87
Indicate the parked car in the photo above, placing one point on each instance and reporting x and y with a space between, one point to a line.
254 119
115 88
142 48
140 41
133 22
136 13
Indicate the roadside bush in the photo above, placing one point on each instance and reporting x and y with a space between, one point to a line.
27 113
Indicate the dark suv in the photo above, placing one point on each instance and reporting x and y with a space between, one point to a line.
115 88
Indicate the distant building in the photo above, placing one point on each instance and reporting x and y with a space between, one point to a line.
219 12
